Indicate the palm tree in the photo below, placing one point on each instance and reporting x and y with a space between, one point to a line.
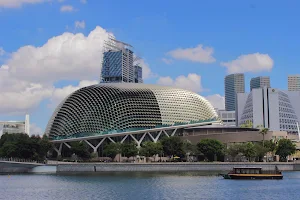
263 131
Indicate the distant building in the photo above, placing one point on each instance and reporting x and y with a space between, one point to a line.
138 74
118 64
259 82
294 83
272 108
15 126
228 117
234 83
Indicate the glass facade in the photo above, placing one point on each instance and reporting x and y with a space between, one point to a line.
260 82
234 83
118 66
138 74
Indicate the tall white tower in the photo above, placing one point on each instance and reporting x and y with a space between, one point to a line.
27 124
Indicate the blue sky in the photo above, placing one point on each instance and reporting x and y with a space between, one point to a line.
253 37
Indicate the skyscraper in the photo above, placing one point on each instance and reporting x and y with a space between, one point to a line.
138 71
118 64
260 82
234 83
294 83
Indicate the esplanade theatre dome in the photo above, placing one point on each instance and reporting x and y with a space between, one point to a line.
121 107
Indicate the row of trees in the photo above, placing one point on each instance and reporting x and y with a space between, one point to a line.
22 146
170 146
283 148
36 148
206 149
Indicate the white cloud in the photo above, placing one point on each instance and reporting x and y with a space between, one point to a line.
2 52
18 3
60 93
217 101
191 82
250 63
16 102
167 61
28 76
147 73
35 130
80 24
65 57
83 1
67 8
197 54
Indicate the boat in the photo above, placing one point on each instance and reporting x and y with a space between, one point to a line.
253 173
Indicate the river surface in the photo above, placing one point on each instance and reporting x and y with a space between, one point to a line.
131 186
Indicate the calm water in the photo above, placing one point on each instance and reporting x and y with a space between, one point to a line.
145 186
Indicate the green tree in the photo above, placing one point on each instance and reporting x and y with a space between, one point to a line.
260 152
189 149
129 149
45 146
270 145
211 148
20 145
285 148
234 150
80 149
263 131
112 149
9 150
248 124
172 146
149 149
248 150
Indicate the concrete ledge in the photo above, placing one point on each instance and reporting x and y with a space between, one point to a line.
166 167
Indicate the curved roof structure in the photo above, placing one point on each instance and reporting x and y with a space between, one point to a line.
118 107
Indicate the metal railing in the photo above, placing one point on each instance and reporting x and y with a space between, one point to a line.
21 160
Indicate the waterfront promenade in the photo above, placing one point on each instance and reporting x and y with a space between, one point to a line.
170 167
70 167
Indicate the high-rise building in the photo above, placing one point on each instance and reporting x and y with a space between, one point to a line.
15 126
272 108
118 64
260 82
294 83
234 83
138 74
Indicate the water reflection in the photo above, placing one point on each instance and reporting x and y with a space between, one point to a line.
192 185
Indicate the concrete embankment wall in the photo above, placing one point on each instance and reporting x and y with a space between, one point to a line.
11 167
167 167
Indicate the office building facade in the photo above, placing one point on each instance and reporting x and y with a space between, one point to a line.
294 83
227 117
234 83
15 126
118 67
118 64
260 82
272 108
138 74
